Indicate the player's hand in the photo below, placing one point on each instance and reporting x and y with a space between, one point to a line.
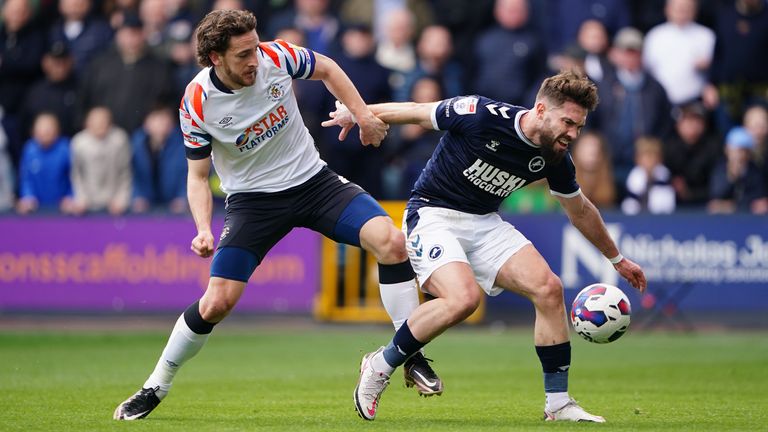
202 244
632 272
372 130
343 118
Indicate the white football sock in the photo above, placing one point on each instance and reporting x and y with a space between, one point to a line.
555 401
399 299
182 345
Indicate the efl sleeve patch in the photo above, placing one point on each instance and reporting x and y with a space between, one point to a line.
465 105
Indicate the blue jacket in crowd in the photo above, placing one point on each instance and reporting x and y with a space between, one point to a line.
164 177
44 172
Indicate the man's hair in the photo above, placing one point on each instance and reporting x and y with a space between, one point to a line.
215 30
569 86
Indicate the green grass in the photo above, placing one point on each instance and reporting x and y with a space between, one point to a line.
302 380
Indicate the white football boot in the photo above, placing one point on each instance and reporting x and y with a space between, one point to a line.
572 412
369 388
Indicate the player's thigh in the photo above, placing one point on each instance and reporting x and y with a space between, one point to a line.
433 242
492 242
526 273
454 280
337 208
254 223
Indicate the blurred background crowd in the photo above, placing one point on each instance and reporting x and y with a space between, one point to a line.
89 91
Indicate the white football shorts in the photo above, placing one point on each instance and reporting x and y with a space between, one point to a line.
442 235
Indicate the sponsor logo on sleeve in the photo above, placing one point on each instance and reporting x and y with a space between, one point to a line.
465 106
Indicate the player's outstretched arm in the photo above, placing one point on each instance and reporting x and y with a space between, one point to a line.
201 205
390 113
372 130
586 218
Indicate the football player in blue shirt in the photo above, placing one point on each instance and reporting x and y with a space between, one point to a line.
458 244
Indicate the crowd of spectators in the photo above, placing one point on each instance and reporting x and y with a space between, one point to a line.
89 88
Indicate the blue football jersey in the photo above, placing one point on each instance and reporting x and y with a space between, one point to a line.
483 157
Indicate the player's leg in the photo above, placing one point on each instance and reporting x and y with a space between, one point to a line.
187 338
345 213
246 237
528 274
448 277
457 297
397 287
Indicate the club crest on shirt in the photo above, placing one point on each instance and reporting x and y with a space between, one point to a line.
275 92
536 164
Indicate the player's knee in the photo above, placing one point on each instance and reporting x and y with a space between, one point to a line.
463 304
216 304
216 309
551 292
392 247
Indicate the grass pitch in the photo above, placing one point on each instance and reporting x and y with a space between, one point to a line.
302 380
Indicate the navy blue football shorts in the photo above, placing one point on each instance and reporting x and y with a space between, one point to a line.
256 221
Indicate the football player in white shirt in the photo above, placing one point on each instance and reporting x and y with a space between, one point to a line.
240 112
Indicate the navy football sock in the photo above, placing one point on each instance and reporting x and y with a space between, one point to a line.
402 346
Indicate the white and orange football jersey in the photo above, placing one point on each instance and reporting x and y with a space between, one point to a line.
255 134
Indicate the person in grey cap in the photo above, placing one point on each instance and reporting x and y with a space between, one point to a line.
737 184
632 102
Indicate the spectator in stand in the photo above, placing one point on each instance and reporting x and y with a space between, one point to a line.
44 172
572 58
691 153
314 19
22 45
756 123
649 187
360 164
374 13
413 145
736 183
84 34
435 52
56 93
632 103
678 53
155 19
101 165
594 172
593 38
395 49
116 10
465 20
227 5
129 80
182 55
512 48
564 18
159 164
739 72
7 180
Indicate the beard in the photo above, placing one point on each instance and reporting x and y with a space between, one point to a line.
238 79
548 152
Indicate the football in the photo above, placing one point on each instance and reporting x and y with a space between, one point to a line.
601 313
